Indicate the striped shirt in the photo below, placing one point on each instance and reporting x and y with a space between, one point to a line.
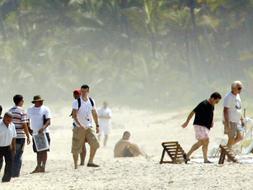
19 118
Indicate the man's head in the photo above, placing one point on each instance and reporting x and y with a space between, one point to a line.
37 101
7 118
85 90
18 100
1 109
215 98
76 93
105 104
126 135
236 87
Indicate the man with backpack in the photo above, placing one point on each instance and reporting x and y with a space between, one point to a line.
84 110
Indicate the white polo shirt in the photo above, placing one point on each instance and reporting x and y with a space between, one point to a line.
7 134
234 105
84 113
36 114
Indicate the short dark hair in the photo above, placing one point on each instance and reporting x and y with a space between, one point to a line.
1 109
85 86
17 99
216 95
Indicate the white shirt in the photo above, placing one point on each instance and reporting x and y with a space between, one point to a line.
234 105
84 113
104 112
36 114
7 134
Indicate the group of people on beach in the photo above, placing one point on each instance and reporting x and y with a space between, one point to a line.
17 125
204 120
83 113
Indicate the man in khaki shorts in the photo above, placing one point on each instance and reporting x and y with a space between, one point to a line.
84 110
233 120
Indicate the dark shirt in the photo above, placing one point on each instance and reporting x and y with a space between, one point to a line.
204 114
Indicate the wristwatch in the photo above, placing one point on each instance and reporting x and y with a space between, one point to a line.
97 125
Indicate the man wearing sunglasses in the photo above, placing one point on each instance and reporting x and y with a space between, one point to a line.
232 112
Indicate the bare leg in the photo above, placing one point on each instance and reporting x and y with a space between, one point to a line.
231 142
205 143
92 154
194 148
105 140
75 158
44 160
238 138
83 155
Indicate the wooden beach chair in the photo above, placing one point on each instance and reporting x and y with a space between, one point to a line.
226 151
174 151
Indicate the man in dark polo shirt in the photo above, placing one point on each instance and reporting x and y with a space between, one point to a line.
203 122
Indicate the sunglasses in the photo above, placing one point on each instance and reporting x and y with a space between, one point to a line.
239 88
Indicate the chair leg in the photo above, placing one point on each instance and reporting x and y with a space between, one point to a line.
161 161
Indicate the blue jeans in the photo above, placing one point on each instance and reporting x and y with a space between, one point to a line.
17 160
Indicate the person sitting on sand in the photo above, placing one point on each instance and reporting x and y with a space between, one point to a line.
124 148
203 122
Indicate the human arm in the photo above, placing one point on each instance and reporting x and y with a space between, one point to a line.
26 130
184 125
95 117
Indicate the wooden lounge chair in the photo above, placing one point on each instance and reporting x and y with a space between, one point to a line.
226 151
174 151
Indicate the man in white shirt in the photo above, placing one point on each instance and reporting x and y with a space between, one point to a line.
7 144
104 115
232 112
84 110
40 118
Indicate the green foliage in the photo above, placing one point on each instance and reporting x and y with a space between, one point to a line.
143 50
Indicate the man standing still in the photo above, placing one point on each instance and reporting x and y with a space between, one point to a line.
232 112
82 115
20 121
40 119
105 115
7 144
203 122
76 96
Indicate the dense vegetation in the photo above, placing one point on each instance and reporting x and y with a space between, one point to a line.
147 52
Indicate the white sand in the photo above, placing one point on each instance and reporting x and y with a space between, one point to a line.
148 130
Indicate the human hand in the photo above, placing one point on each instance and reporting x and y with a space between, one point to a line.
184 125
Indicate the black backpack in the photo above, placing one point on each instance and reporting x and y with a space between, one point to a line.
79 103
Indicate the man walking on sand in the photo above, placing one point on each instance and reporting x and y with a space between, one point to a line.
203 122
232 112
105 115
83 110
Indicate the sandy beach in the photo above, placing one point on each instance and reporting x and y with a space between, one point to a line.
148 130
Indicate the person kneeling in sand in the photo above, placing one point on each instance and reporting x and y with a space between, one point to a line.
203 122
124 148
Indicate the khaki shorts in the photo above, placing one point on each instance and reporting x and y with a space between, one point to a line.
233 129
80 136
